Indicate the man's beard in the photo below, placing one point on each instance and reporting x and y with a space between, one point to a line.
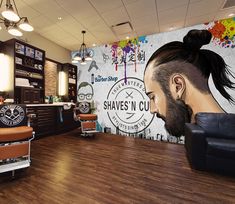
178 113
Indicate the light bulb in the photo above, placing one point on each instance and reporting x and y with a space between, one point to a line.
77 58
25 25
14 31
88 58
10 15
74 61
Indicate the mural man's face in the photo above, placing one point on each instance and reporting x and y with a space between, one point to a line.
155 93
178 113
175 113
85 93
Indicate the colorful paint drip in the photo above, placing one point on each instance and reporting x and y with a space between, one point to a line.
223 32
128 52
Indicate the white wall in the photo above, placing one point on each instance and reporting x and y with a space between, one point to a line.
53 51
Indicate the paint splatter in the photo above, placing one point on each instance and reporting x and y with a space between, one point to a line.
223 32
128 52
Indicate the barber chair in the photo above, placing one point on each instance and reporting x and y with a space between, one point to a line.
15 138
210 142
88 120
88 124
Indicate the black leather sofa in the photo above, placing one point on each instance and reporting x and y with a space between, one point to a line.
210 142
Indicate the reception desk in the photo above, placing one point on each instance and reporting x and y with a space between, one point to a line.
52 118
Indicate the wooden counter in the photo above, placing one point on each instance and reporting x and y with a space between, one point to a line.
51 104
52 118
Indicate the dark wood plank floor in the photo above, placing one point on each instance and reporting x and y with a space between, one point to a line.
112 169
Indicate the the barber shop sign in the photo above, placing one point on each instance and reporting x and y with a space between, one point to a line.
127 106
11 115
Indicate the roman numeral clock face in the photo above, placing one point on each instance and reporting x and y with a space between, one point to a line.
11 115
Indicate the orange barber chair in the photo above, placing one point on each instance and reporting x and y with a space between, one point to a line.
88 120
88 124
15 138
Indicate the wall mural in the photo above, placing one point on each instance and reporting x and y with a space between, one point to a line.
127 106
85 95
85 92
100 78
176 80
118 89
93 65
223 32
128 52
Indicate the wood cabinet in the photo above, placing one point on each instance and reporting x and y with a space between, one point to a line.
28 62
65 120
27 95
72 81
45 121
51 120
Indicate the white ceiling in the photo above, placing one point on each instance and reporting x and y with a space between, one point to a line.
98 16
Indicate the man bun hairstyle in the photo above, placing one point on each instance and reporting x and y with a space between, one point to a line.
189 51
195 39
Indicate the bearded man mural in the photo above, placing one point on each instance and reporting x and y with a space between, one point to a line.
176 80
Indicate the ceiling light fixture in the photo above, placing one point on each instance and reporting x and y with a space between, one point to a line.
12 20
83 55
231 14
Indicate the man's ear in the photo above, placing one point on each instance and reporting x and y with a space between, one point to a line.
177 86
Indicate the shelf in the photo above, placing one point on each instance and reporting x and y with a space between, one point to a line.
20 54
28 77
29 67
31 57
29 87
72 81
25 74
23 60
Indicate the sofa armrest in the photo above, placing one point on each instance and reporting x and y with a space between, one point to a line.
195 145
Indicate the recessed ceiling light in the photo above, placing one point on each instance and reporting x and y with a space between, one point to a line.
231 14
59 18
172 28
93 44
127 37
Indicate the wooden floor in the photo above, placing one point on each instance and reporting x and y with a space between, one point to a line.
111 169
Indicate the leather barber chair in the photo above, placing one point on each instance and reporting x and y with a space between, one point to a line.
15 138
82 113
210 142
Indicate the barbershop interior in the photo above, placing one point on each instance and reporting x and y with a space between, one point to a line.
117 102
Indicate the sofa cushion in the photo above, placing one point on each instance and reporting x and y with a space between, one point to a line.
220 125
221 148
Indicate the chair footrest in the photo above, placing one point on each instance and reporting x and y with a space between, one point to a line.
14 166
90 131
